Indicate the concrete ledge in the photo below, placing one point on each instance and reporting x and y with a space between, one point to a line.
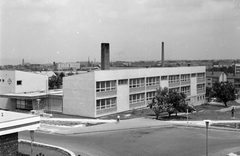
70 153
210 127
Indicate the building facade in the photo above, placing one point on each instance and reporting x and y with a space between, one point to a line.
235 80
67 66
19 82
100 93
237 69
28 91
213 77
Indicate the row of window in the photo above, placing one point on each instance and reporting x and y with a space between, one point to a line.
200 98
134 83
136 98
140 97
1 80
185 77
140 82
106 86
152 81
24 104
106 103
200 87
200 76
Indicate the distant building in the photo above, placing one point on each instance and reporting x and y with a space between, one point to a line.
234 79
47 73
237 69
213 77
67 66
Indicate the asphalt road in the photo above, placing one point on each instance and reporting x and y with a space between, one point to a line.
175 141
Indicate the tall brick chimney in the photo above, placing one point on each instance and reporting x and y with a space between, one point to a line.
105 56
162 54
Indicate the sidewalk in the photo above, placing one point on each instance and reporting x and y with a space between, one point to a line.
111 126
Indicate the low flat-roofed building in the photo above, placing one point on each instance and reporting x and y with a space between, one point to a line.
213 77
104 92
28 91
237 68
19 82
235 80
10 124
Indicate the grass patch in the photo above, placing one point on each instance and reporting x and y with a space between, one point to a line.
204 111
25 150
68 123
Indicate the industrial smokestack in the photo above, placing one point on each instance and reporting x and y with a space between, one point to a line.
162 54
105 56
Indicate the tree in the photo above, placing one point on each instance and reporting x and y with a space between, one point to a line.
225 91
209 93
52 82
158 104
170 102
176 102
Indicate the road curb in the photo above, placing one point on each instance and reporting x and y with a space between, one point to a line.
110 130
47 145
210 127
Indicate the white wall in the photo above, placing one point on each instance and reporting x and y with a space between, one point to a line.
122 98
104 75
8 86
193 86
164 83
79 95
30 82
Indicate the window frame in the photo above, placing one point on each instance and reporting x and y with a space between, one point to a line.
137 82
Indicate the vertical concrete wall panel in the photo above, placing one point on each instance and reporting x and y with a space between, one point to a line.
123 98
79 95
193 86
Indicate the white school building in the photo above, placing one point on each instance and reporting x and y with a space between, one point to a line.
104 92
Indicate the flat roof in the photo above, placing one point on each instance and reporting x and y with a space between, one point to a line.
11 122
33 95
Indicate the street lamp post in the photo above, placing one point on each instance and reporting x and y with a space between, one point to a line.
32 139
207 124
38 101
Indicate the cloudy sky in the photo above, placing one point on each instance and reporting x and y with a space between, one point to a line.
46 31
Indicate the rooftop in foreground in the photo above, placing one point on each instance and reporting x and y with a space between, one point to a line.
11 122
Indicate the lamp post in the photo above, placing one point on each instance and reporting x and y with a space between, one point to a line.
38 101
207 124
32 139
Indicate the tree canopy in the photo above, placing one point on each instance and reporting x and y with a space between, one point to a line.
225 91
170 102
